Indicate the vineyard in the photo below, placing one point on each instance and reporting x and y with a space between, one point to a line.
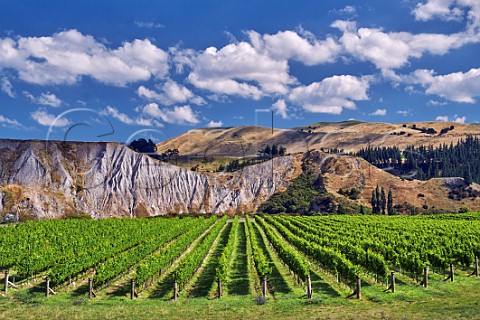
269 258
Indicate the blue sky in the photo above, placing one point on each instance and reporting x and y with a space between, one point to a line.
120 70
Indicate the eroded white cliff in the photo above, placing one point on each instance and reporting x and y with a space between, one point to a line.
54 179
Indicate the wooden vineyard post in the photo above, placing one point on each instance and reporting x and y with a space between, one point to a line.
425 277
476 267
264 287
393 282
219 288
90 288
132 289
175 291
451 272
47 287
5 289
309 287
358 292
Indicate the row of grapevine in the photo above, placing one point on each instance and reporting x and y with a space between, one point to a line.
369 260
344 245
33 247
327 258
223 263
289 256
408 242
105 248
193 259
154 264
261 263
118 264
372 255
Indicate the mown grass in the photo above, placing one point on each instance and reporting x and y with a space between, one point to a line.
441 300
458 300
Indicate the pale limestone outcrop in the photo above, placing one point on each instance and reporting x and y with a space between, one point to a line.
51 179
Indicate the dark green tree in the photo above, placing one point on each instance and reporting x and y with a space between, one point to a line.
373 202
362 209
378 200
274 150
143 146
267 151
426 162
468 175
383 200
390 208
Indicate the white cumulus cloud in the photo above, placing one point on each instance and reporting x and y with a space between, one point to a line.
289 45
394 49
457 86
46 99
240 69
379 112
331 95
177 115
215 124
442 118
172 93
442 9
436 103
126 119
459 119
405 113
44 118
348 10
9 123
6 87
450 10
456 119
280 108
67 56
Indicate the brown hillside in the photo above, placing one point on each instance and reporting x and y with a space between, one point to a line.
346 172
347 135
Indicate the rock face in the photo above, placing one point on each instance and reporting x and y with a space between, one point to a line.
56 179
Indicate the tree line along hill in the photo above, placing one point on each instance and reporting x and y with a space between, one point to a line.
425 162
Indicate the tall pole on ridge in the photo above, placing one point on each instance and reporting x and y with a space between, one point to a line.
273 184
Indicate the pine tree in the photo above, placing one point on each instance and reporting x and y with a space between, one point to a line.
373 202
274 150
390 203
383 200
378 200
453 160
468 175
267 151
